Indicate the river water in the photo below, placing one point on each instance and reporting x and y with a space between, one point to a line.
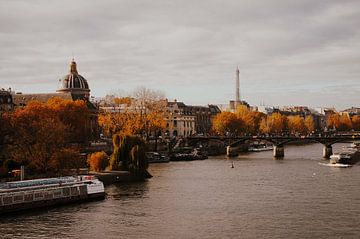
297 197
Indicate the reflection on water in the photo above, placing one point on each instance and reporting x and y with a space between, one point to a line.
259 198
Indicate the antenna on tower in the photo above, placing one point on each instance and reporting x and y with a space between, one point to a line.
73 57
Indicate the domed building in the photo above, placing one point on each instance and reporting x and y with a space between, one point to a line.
75 84
71 87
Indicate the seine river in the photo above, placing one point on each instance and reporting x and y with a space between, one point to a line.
296 197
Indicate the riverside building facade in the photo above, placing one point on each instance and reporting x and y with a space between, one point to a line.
186 120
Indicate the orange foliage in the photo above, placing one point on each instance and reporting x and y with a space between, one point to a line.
309 123
345 122
226 123
41 131
145 116
75 115
356 122
67 158
251 119
296 124
98 161
339 122
333 121
123 101
5 129
38 134
275 123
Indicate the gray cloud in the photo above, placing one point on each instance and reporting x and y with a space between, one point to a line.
289 52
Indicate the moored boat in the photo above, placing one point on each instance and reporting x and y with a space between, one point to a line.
355 145
195 154
37 193
345 157
155 157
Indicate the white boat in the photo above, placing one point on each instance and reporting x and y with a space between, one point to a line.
345 157
355 145
30 194
259 147
336 165
155 157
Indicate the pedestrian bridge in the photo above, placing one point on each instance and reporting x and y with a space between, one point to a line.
279 141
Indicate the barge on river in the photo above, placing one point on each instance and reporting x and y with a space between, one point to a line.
350 156
29 194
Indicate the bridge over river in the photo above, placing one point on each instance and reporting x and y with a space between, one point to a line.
279 141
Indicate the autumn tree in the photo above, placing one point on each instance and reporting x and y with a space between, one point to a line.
226 123
38 134
345 123
119 122
98 161
123 101
274 124
251 119
339 122
66 159
43 132
356 122
296 124
5 132
75 115
333 121
144 114
309 123
150 106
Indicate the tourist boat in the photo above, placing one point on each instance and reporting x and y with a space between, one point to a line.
195 154
259 147
155 157
345 157
355 145
29 194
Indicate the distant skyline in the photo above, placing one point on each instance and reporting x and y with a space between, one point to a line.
289 52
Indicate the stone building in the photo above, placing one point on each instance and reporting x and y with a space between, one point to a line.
203 117
179 120
75 84
186 120
6 100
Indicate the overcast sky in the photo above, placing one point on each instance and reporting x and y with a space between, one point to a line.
289 52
